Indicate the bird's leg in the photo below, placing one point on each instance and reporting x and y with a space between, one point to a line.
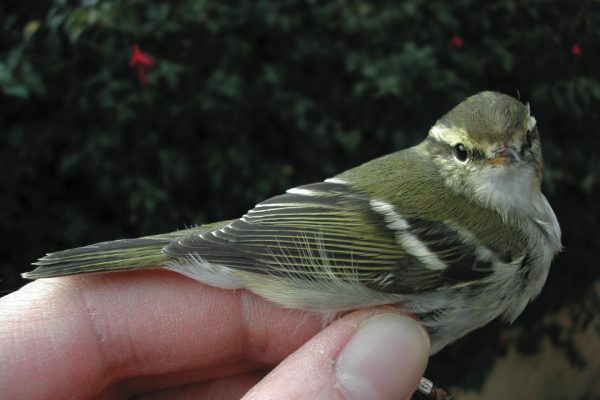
427 391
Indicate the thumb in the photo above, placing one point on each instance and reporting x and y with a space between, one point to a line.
361 356
385 358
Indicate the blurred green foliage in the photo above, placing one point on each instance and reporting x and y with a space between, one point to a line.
249 98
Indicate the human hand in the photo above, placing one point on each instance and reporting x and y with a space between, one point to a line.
156 334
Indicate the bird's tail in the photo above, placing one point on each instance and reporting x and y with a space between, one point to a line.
117 255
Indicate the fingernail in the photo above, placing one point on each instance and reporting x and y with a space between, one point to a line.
385 359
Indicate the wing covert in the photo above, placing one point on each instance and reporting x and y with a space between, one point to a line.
328 229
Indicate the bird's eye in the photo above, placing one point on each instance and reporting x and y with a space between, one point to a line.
461 152
528 139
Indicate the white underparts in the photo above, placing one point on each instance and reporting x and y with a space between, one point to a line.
215 275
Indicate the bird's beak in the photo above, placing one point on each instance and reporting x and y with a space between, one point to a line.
505 156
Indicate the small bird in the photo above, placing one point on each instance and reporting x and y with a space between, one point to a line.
454 230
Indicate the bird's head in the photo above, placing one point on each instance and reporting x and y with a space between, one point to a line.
488 148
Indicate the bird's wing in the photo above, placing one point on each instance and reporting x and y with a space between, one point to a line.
328 229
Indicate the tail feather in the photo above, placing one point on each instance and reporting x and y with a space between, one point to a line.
117 255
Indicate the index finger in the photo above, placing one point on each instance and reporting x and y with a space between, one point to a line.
74 336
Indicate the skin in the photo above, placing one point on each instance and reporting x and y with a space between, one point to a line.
156 334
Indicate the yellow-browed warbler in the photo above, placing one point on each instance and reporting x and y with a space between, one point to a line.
454 230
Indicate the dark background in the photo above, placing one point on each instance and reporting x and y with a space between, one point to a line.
249 98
